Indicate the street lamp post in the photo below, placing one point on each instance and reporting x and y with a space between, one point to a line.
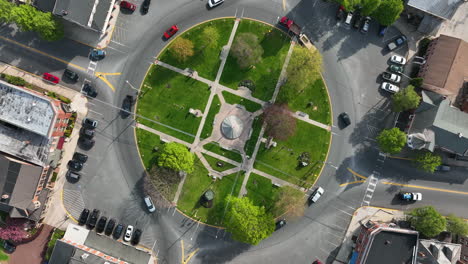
133 87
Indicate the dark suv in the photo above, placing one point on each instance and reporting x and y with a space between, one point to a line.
110 227
136 237
80 157
71 75
93 219
118 231
88 133
89 90
83 217
101 224
145 6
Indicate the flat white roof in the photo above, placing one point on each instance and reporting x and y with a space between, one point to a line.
76 234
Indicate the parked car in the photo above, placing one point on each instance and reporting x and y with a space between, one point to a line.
50 77
136 237
86 132
149 204
101 224
97 54
71 75
110 227
145 6
348 19
398 60
396 68
89 90
93 218
127 5
80 157
389 87
398 42
317 262
443 168
83 217
357 20
8 247
345 119
86 143
382 30
128 233
280 224
365 25
75 165
315 196
214 3
391 77
171 31
72 176
118 231
127 105
90 123
340 13
407 196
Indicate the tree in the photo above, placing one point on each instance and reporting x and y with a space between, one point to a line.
177 157
427 221
405 99
369 6
182 49
50 28
388 11
164 181
247 222
280 123
428 161
247 50
304 67
290 201
457 225
209 37
417 82
5 11
349 5
391 140
13 231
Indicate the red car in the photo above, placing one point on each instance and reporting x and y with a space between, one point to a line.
127 5
51 78
171 31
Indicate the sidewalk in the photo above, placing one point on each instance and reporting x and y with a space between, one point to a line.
361 216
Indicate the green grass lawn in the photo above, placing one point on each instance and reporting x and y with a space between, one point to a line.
208 126
168 101
205 59
198 183
147 141
282 161
230 154
249 146
262 192
234 99
212 161
266 73
317 95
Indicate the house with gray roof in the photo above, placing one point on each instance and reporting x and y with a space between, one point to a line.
437 124
433 12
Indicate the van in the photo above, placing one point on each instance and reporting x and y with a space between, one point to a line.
149 204
316 194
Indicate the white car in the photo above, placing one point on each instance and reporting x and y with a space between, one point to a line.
316 194
213 3
389 87
398 60
128 233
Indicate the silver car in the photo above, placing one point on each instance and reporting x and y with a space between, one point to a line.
213 3
128 233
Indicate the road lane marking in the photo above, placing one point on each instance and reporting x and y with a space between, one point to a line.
284 5
42 53
425 188
108 73
395 157
353 182
357 174
189 256
106 81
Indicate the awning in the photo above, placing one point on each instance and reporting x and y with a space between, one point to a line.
354 257
60 142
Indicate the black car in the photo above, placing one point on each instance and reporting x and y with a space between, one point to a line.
86 142
89 90
345 119
145 6
80 157
101 224
75 165
86 132
71 75
136 237
72 176
93 219
357 21
127 105
110 227
8 247
280 224
83 217
118 231
90 123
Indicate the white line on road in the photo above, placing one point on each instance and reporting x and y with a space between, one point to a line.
116 49
334 133
333 166
118 43
95 112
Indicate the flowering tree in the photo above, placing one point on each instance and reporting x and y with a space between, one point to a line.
14 230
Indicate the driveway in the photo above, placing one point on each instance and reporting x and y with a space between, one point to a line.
31 253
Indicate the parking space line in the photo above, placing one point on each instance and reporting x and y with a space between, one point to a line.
425 188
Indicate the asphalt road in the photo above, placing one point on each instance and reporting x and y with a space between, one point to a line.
112 177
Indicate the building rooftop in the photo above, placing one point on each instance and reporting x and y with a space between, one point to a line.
390 247
87 13
436 252
440 8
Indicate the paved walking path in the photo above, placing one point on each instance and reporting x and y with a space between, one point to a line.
312 122
275 180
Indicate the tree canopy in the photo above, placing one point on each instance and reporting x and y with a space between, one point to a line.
388 11
5 11
247 49
428 161
405 99
182 48
280 124
247 222
427 221
457 225
369 6
290 201
391 140
209 37
177 157
304 67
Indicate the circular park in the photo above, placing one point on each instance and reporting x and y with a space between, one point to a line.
234 119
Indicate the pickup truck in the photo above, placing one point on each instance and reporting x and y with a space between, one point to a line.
290 25
391 77
306 42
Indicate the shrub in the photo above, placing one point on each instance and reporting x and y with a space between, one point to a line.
15 80
64 99
53 240
423 45
54 176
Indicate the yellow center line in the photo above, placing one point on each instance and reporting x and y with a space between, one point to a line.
106 81
42 53
284 5
357 174
185 261
425 188
108 73
344 184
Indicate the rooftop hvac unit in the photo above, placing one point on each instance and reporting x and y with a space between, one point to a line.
37 205
84 256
